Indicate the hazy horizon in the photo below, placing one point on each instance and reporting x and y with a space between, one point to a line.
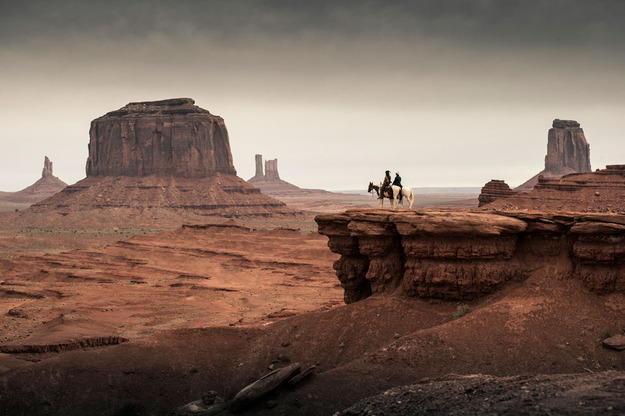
451 94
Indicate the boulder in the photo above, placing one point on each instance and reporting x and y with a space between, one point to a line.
617 342
263 386
209 404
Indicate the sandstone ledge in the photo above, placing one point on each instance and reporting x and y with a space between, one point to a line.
463 255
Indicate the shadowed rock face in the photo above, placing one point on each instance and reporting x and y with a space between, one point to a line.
567 149
168 137
463 255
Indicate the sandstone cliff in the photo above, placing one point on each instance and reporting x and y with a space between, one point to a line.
567 152
171 137
463 255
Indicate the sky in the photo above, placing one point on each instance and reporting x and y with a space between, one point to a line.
448 93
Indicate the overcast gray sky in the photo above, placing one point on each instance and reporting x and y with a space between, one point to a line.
450 93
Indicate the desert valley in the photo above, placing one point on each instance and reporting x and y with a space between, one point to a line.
284 208
163 283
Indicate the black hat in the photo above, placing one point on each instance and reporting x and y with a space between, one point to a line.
388 171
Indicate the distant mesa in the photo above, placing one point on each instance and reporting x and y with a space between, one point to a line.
45 187
567 152
168 154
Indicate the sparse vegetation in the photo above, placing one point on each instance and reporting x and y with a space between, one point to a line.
461 311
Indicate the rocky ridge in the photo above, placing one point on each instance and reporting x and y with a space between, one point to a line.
464 255
599 191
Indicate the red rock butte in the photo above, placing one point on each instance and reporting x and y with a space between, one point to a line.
567 152
171 137
167 154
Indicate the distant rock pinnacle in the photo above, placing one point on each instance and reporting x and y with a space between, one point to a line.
47 168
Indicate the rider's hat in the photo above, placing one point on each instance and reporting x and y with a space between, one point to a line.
397 173
388 171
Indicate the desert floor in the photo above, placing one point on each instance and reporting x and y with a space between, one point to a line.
106 317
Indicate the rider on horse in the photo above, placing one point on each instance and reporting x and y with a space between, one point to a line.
385 185
397 182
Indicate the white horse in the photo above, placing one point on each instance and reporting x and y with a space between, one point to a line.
406 193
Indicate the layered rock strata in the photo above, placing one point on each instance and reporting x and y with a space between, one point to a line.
493 190
599 191
463 255
172 137
167 154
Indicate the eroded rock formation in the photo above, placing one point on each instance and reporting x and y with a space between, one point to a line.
462 255
599 191
567 149
493 190
167 154
567 152
271 169
269 182
172 137
45 187
47 168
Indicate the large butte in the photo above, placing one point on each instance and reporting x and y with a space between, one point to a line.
162 155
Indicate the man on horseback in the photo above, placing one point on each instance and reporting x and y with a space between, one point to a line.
397 182
386 185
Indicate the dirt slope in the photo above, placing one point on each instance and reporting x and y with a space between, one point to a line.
540 326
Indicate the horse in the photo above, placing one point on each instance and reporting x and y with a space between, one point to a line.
405 192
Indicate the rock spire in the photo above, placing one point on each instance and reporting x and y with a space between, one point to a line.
47 168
